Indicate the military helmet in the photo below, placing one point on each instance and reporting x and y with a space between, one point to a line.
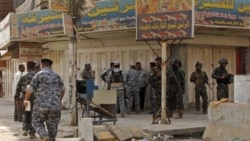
116 63
223 61
158 58
198 64
174 61
87 65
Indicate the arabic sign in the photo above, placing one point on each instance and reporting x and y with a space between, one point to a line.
26 5
103 15
36 24
60 5
230 13
164 19
68 24
5 31
30 51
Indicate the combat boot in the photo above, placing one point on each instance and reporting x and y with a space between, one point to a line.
46 138
25 133
179 114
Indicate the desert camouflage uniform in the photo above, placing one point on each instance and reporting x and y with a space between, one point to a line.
46 86
199 78
131 81
87 74
21 87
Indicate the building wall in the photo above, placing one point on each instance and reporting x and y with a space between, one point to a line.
128 51
6 6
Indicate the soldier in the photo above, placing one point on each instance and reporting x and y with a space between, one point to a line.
156 80
200 79
143 82
131 80
21 87
175 88
87 72
115 78
104 75
223 79
152 89
18 111
48 90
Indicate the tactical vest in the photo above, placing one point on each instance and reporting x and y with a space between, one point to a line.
117 77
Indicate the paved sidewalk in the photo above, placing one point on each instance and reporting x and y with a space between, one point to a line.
190 123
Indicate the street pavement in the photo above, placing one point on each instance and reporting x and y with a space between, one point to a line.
11 130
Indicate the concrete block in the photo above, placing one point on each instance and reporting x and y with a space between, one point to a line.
216 132
241 88
121 133
85 128
104 136
99 128
136 132
228 121
70 139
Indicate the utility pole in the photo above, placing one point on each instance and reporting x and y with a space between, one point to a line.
73 68
163 82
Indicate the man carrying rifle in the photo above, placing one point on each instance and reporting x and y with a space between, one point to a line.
175 88
223 78
200 79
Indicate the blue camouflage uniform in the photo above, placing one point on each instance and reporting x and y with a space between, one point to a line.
46 87
131 81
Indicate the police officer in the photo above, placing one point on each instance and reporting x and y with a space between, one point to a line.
223 78
87 72
131 80
21 87
115 78
175 88
200 79
156 80
48 90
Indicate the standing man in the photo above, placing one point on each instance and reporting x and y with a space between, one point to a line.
175 88
21 87
104 75
152 89
156 78
18 111
115 78
223 79
48 90
87 72
143 82
131 80
200 79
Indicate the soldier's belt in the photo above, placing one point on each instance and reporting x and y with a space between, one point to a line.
117 85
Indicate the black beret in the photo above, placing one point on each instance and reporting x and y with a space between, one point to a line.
46 61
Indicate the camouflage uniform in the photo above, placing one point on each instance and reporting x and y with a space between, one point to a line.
87 74
199 78
218 74
131 81
152 93
175 89
156 81
21 87
120 89
104 77
46 86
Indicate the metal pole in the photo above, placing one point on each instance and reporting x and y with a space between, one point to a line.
72 81
163 82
